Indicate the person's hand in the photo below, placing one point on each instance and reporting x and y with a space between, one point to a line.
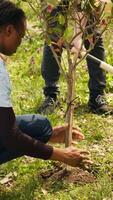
59 133
71 156
78 47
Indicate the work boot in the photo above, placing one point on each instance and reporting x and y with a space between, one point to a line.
48 106
98 105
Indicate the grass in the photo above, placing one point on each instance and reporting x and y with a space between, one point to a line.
98 130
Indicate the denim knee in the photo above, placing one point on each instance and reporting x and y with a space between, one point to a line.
36 126
46 131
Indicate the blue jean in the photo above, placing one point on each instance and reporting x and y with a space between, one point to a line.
50 69
35 126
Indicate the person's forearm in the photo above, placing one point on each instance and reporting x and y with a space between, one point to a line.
57 155
77 43
20 142
13 139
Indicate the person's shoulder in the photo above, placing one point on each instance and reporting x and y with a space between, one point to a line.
5 89
2 57
2 62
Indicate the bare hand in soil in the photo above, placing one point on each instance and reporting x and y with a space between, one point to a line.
71 156
59 133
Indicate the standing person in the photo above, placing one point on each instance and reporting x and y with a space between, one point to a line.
26 134
51 72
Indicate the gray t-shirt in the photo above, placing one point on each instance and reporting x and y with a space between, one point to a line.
5 89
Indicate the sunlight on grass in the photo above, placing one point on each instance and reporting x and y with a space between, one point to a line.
98 130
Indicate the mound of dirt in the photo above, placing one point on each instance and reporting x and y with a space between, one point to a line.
71 175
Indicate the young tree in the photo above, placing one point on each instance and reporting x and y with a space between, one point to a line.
81 19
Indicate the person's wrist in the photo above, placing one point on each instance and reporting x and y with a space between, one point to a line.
58 154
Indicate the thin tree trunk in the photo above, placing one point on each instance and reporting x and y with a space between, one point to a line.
70 104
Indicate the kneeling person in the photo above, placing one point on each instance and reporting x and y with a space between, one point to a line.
26 134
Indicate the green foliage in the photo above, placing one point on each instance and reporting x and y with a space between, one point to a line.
27 90
24 68
53 2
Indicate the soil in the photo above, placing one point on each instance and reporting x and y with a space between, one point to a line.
70 175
